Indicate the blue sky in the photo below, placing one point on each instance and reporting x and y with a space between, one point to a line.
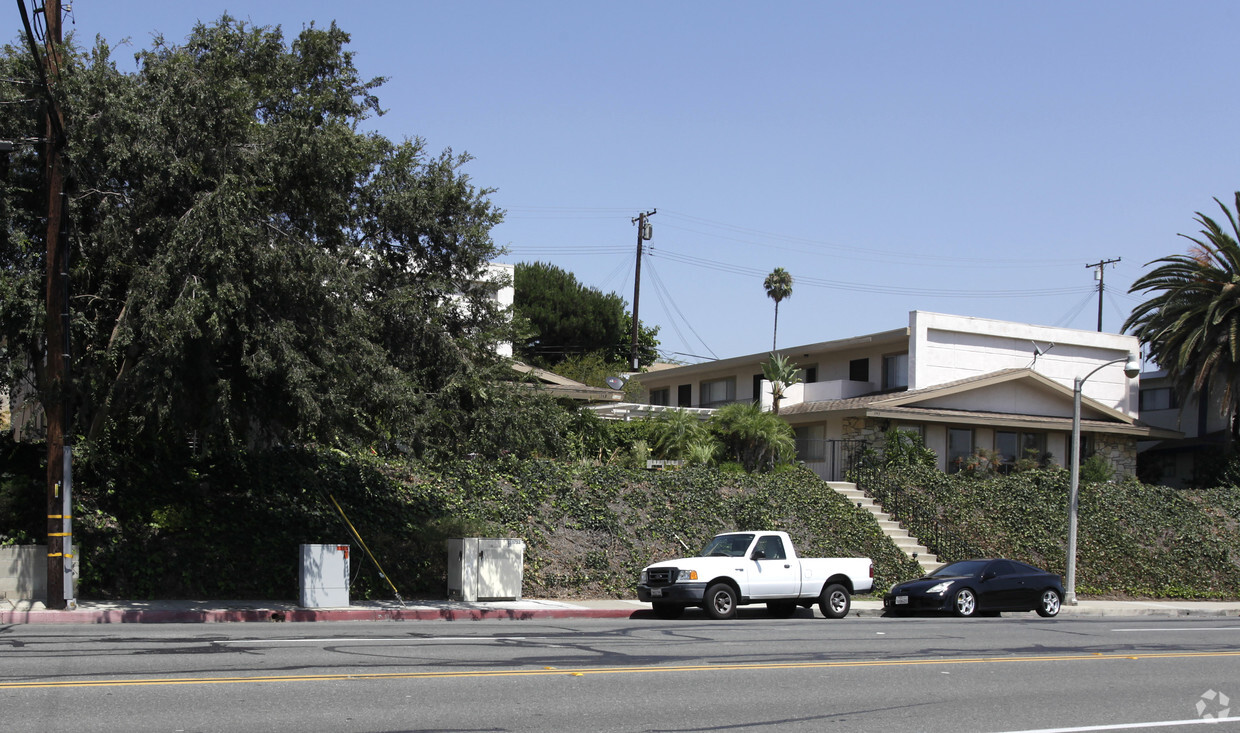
960 157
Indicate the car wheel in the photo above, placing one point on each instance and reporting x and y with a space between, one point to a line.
720 601
781 609
1049 603
965 603
669 611
834 601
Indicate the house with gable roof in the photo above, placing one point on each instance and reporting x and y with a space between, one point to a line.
965 385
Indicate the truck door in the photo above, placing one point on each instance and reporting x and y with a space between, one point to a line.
772 574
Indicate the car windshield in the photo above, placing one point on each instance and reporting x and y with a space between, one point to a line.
727 545
960 569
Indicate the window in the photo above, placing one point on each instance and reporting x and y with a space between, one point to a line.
1158 398
717 392
809 375
859 370
771 547
684 395
660 396
895 371
959 447
757 389
1013 446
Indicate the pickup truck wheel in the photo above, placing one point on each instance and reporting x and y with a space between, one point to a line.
834 601
669 611
720 601
781 609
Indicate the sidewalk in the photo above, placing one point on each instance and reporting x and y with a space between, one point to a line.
130 612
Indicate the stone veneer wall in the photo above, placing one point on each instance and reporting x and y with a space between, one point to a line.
1119 451
859 428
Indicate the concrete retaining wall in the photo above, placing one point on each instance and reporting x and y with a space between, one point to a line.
23 573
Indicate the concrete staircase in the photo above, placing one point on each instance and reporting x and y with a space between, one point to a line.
905 541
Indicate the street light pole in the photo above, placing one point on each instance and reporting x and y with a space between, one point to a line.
1132 368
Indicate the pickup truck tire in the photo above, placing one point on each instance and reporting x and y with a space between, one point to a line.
720 601
669 611
834 601
781 609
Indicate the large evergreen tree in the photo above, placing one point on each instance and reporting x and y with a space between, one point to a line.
568 319
249 266
1191 324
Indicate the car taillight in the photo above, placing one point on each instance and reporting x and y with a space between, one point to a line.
871 570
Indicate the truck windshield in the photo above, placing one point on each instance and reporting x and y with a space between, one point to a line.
727 545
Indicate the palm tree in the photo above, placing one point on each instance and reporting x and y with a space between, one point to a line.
757 440
782 374
1192 324
778 287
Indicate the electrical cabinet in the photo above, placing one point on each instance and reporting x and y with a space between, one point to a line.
485 569
324 576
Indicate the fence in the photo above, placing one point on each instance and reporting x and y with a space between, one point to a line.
831 460
918 514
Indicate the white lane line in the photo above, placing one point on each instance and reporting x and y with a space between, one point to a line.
1132 726
1189 628
406 639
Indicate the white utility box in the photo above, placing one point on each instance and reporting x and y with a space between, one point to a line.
324 576
485 569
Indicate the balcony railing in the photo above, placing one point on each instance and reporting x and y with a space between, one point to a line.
830 459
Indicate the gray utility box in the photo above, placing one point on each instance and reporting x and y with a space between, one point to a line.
484 569
324 576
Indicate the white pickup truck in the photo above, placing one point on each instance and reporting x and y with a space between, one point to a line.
738 568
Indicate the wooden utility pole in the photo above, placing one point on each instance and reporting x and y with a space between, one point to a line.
56 372
1102 267
643 233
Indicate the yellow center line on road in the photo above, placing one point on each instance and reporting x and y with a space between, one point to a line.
583 671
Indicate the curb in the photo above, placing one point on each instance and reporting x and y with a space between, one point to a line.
119 616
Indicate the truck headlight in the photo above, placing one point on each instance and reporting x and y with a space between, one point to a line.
685 575
644 579
939 588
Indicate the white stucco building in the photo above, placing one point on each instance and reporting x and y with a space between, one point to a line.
964 384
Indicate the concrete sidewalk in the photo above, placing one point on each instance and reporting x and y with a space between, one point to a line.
126 612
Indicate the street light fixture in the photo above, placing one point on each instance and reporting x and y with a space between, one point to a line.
1132 368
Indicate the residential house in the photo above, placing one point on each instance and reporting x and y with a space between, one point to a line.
1203 427
963 384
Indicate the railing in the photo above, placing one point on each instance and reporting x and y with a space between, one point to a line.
831 460
918 514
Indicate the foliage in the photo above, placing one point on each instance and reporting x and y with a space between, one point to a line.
1133 539
675 431
569 319
778 286
757 440
900 449
1190 323
1096 470
23 519
192 527
782 374
249 268
593 369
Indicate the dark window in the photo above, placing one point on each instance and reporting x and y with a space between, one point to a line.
660 396
811 375
757 389
895 371
717 392
684 395
859 370
1001 567
1158 398
959 447
772 547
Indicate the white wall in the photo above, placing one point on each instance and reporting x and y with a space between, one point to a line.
946 348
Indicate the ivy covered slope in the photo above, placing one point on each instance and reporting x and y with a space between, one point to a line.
1133 539
231 529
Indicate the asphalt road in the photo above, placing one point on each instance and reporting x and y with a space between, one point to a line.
1017 673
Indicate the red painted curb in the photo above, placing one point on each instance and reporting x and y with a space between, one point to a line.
303 615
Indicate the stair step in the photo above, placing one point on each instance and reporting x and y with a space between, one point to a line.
899 536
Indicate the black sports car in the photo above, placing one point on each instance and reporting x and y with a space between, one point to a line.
972 587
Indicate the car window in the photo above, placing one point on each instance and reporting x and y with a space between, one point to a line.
729 545
960 569
772 547
1000 567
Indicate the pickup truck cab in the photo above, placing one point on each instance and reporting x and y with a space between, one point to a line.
739 568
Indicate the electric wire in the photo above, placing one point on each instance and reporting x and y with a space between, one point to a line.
661 291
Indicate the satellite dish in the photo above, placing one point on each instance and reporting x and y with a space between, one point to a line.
615 382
